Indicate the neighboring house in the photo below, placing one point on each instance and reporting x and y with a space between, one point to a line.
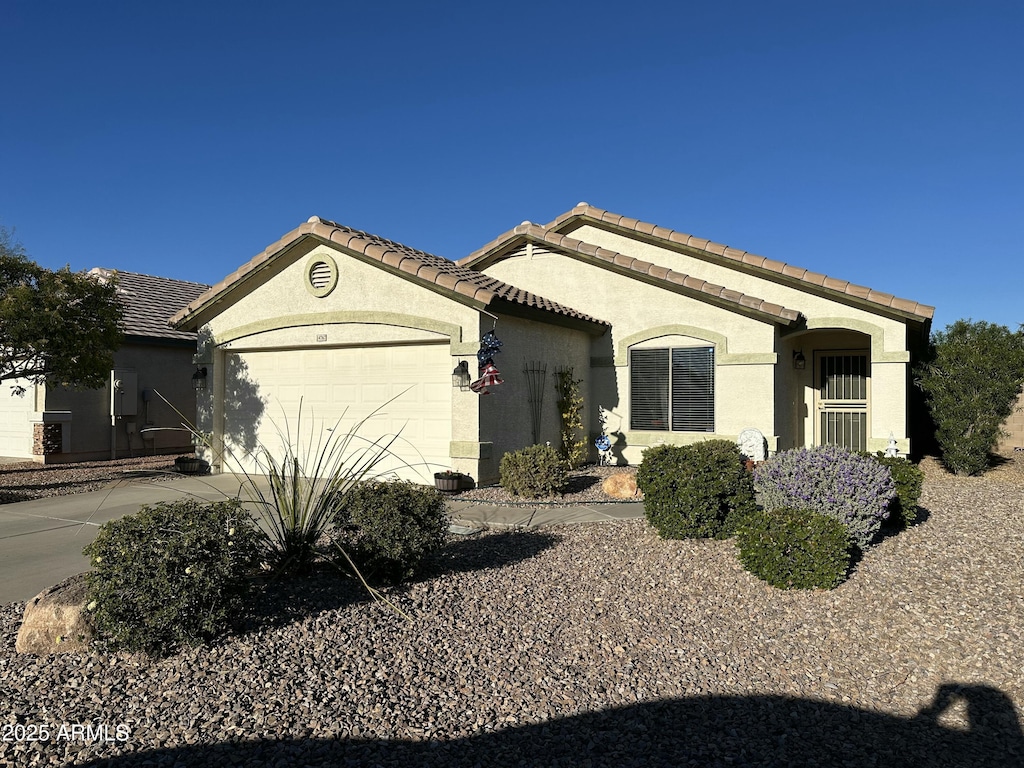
53 424
676 339
1013 440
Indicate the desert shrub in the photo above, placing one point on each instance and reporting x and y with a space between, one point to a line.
794 549
388 528
853 489
171 575
695 491
971 384
533 472
908 480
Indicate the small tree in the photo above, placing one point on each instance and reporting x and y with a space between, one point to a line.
58 326
971 383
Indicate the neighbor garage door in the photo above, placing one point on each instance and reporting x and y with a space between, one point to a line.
336 389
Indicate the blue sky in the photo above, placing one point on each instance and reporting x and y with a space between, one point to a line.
881 143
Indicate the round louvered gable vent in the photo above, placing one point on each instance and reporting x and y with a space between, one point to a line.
321 275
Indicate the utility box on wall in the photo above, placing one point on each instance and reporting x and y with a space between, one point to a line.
124 392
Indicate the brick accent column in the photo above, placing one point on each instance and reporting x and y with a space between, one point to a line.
47 439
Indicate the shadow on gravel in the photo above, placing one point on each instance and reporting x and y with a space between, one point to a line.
284 601
705 731
479 553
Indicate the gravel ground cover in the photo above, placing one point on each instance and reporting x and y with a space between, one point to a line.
582 645
584 487
27 480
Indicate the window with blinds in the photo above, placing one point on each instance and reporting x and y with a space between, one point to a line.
672 389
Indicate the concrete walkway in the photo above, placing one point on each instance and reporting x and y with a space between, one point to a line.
41 541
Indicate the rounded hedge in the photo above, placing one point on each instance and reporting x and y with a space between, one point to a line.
853 489
533 472
695 491
388 528
908 480
795 549
171 575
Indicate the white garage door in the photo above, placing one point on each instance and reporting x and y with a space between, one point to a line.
15 426
336 389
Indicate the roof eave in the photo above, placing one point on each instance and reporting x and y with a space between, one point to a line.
649 233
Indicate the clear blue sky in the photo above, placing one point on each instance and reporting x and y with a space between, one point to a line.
878 142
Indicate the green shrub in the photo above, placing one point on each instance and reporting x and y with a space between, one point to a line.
171 575
388 528
971 383
573 448
695 491
853 489
909 480
533 472
795 549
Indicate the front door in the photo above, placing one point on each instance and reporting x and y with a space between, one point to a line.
842 399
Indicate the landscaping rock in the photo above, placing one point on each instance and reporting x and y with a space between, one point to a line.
56 620
621 485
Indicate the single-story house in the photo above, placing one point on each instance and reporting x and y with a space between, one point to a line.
52 424
675 338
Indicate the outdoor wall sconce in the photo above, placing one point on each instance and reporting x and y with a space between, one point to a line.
199 379
799 361
460 376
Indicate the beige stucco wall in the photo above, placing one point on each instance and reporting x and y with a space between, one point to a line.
645 315
373 306
505 414
891 333
1015 427
885 337
158 368
756 383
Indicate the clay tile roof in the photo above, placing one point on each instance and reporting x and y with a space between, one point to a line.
585 211
150 301
628 264
422 266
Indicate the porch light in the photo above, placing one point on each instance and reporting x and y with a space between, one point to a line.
460 376
799 361
199 379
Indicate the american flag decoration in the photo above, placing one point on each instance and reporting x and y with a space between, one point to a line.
489 378
490 345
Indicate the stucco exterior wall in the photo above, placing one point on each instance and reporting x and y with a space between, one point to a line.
645 315
159 368
1015 427
756 382
891 333
505 414
369 306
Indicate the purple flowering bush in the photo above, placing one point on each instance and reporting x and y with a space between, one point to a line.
853 489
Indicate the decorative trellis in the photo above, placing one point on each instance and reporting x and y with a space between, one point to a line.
535 373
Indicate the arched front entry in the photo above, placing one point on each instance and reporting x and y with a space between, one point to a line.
828 379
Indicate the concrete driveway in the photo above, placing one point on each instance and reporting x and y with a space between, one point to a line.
41 541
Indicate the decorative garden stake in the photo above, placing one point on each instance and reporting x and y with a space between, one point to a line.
536 373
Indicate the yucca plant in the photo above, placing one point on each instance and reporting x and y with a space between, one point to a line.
307 483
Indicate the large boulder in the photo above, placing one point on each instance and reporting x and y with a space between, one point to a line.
57 620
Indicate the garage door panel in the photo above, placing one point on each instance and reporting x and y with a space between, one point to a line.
408 386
